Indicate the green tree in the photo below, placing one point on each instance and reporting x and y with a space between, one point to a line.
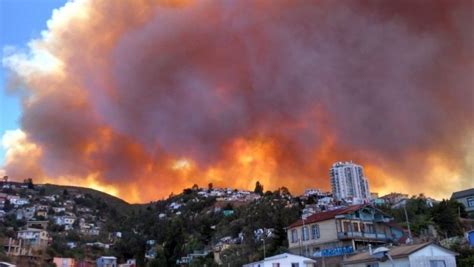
446 216
7 206
465 256
42 191
29 183
258 188
210 186
284 191
174 236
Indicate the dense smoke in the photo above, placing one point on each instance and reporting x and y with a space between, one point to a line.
144 98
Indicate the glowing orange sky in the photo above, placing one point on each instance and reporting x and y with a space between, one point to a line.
144 98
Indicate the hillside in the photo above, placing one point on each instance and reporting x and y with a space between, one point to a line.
113 201
200 226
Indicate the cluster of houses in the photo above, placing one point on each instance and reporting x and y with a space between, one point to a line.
223 196
104 261
330 232
38 215
336 233
39 212
229 194
355 236
362 236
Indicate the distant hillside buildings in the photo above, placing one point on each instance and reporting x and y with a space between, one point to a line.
349 183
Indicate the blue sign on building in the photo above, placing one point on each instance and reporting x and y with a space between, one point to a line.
470 238
337 251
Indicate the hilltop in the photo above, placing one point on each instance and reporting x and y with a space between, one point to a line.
112 201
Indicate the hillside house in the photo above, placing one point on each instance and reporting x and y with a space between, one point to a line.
107 261
64 262
17 201
283 260
37 224
465 197
25 213
332 234
42 213
67 221
426 254
59 209
34 237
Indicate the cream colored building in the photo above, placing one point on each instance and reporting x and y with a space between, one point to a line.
330 235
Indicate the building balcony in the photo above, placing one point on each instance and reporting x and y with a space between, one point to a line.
362 235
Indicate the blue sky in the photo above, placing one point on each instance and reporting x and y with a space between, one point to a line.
20 21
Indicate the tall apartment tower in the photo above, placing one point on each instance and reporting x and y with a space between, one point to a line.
349 183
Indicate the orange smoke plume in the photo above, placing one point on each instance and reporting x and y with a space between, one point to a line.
144 98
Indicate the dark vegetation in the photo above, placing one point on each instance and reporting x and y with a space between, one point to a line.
197 225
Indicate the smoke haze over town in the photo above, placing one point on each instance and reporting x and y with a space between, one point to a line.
144 98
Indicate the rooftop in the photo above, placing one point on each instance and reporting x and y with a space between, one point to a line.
463 193
395 252
327 215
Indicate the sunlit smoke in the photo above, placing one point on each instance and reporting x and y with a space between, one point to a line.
143 98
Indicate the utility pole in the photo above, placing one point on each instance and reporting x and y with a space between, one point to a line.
408 223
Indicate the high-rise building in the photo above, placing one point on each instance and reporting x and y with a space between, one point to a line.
349 183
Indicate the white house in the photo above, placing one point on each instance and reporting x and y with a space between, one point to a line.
59 209
106 261
25 213
17 201
34 237
419 255
311 192
67 221
283 260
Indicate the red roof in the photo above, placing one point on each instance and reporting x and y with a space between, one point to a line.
327 215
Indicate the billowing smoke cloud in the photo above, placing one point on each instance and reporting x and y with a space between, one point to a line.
146 97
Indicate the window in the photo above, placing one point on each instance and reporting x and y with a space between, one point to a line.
304 233
293 264
294 236
369 228
470 202
355 227
437 263
373 264
346 226
314 231
276 264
